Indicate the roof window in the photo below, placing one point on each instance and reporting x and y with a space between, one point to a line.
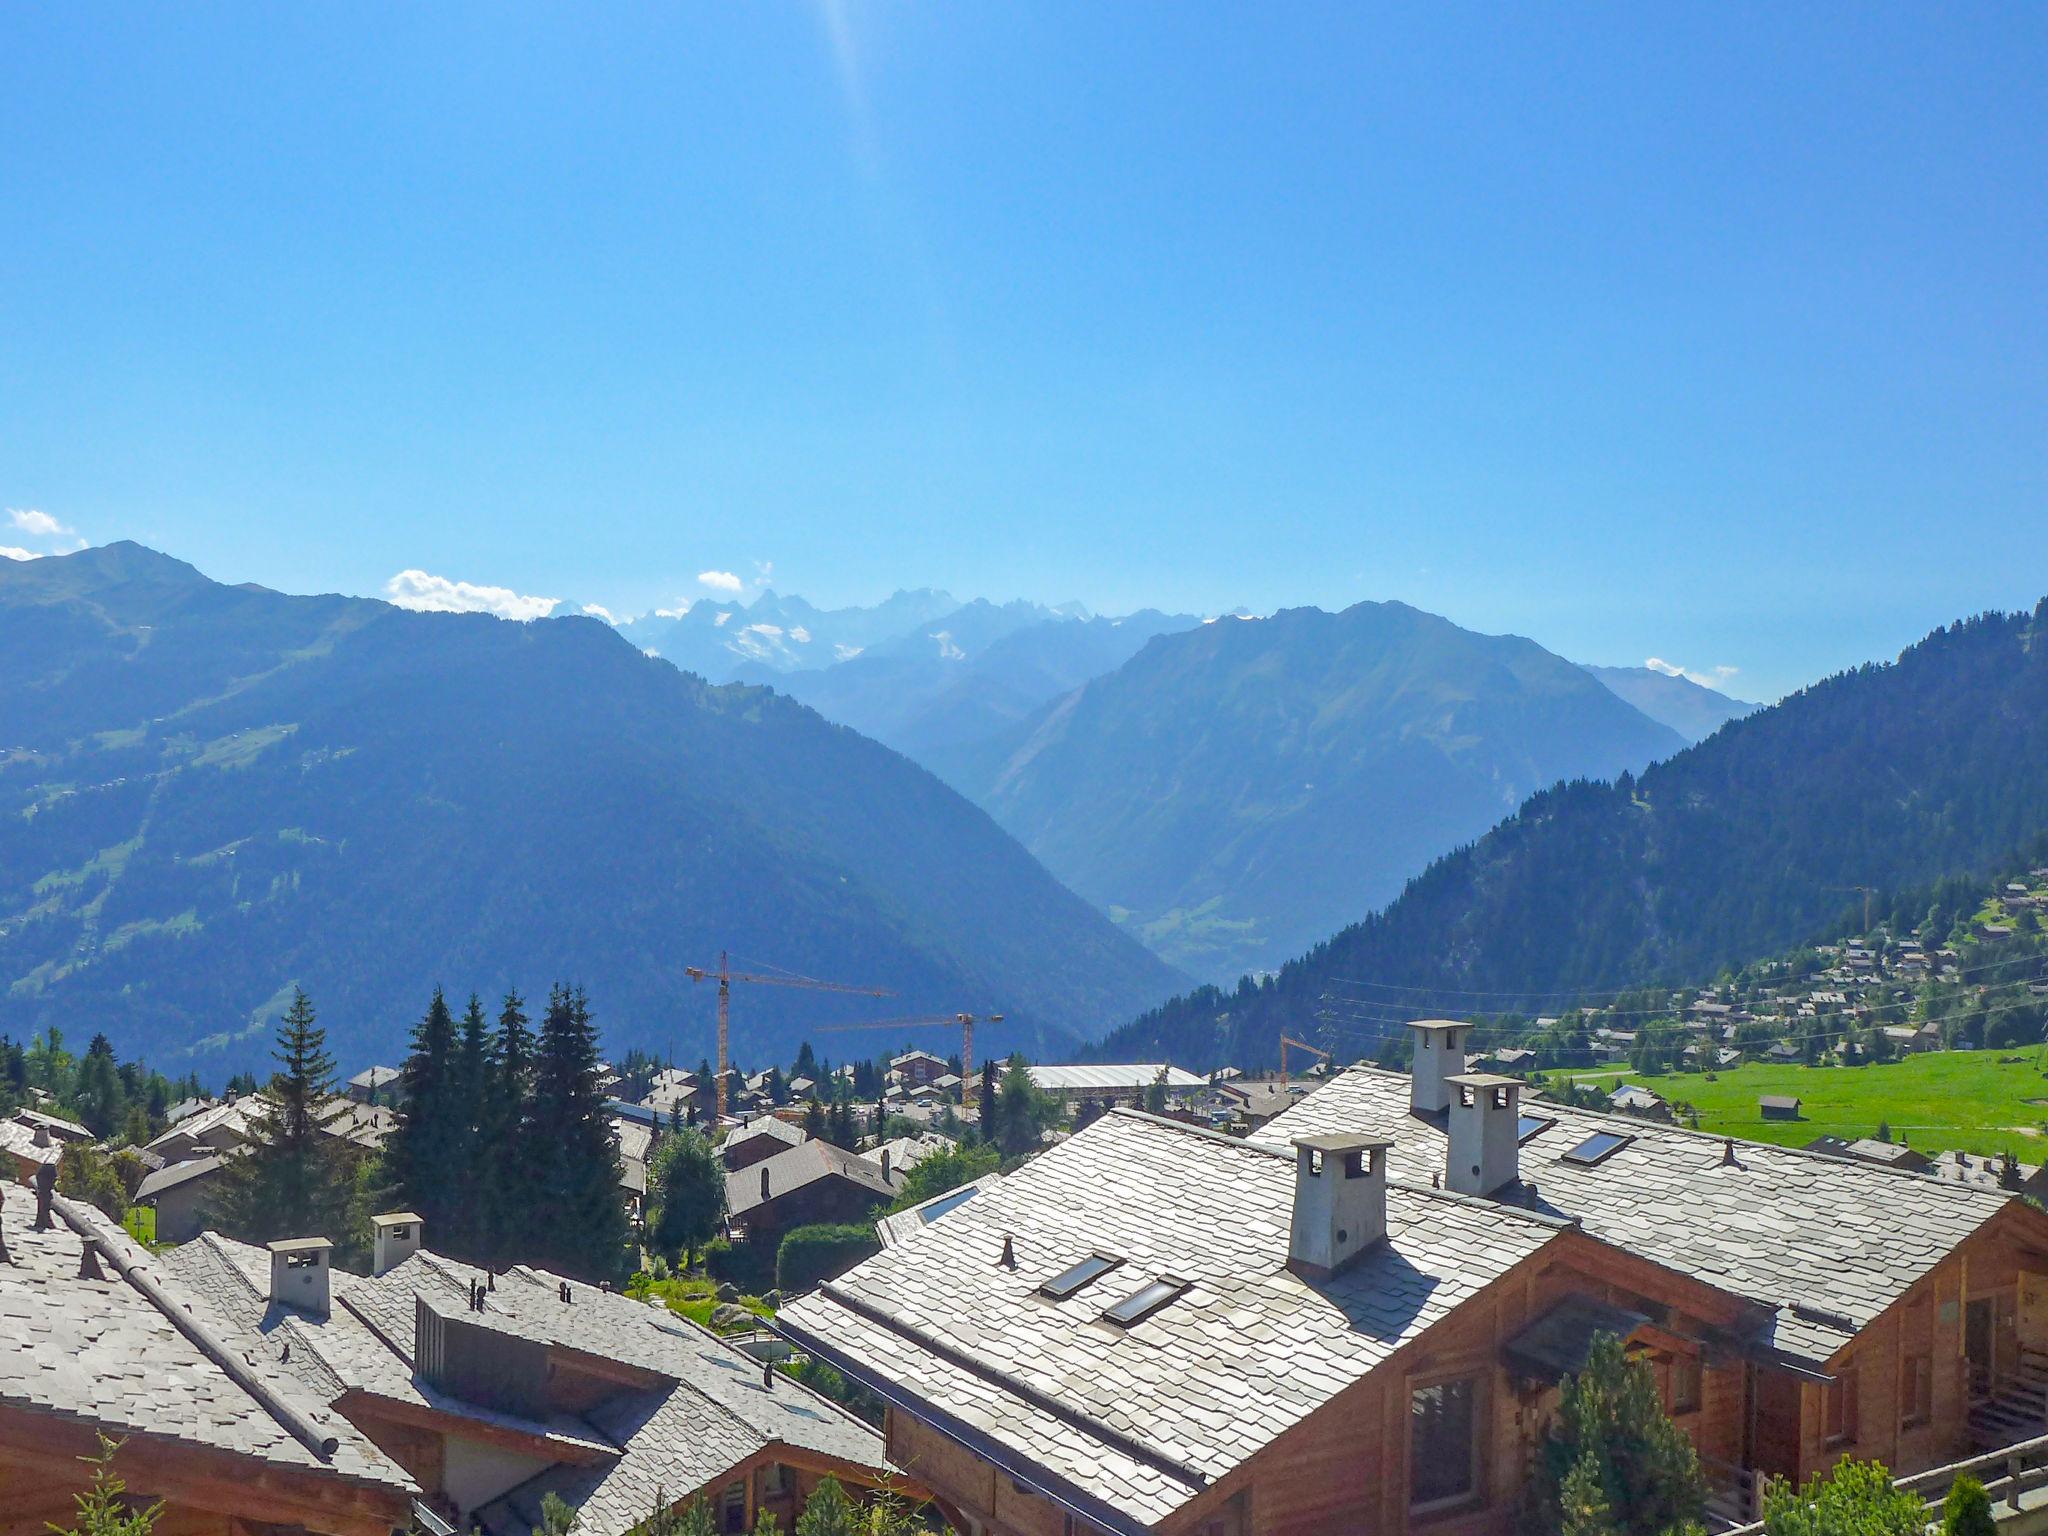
1144 1301
1072 1278
930 1213
1529 1127
1596 1148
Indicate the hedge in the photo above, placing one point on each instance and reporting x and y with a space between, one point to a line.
809 1256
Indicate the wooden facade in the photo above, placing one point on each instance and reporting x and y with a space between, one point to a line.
1908 1380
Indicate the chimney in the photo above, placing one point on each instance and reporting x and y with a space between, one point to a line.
1340 1201
1485 1139
1439 1057
764 1182
398 1235
885 1165
298 1274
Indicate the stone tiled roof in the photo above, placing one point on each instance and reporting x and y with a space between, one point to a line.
20 1140
1843 1238
173 1174
105 1353
904 1225
1110 1079
801 1165
707 1412
1140 1419
764 1125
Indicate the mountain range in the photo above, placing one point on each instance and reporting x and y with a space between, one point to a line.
1239 789
1752 841
210 794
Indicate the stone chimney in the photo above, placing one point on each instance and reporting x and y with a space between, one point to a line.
1485 1132
299 1274
1439 1057
764 1183
398 1237
1340 1201
885 1165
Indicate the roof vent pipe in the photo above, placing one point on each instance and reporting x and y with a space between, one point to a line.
1439 1057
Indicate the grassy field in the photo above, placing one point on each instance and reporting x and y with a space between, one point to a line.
1977 1101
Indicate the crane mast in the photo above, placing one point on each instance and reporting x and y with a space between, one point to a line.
725 976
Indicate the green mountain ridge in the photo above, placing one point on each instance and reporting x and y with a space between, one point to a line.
1240 787
211 793
1890 776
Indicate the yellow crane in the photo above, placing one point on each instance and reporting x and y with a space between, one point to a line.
964 1022
726 977
1300 1045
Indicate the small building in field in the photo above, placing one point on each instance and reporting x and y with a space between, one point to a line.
1778 1106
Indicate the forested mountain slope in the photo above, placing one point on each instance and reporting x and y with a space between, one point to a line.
209 794
1237 789
1888 776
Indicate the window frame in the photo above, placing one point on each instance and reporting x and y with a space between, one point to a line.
1055 1290
1691 1370
1838 1409
1473 1493
1171 1287
1916 1390
1576 1154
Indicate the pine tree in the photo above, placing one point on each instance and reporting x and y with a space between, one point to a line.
578 1219
105 1508
291 1180
686 1185
1611 1448
828 1512
469 1106
507 1135
421 1156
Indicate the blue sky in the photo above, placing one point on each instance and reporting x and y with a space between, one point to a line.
1713 333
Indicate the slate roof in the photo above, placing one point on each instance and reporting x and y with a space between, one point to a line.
799 1166
20 1140
1110 1079
173 1174
1843 1238
906 1152
904 1225
1148 1415
764 1125
707 1412
103 1352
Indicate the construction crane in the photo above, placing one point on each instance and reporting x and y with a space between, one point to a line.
1299 1045
964 1022
1868 892
725 978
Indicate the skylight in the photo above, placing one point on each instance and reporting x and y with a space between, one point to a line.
1071 1279
1144 1301
931 1213
1529 1127
1596 1148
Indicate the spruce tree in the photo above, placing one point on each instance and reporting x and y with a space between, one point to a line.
578 1218
511 1169
469 1090
686 1185
292 1179
421 1156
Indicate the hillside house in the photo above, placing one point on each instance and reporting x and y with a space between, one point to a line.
756 1139
491 1390
814 1181
27 1148
1634 1099
917 1069
100 1336
376 1085
179 1193
1151 1328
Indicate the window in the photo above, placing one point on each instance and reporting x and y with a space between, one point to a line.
1071 1279
1596 1148
1144 1301
1838 1408
1529 1127
776 1482
1443 1444
1685 1384
931 1213
1916 1391
732 1509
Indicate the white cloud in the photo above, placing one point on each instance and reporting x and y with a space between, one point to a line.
719 581
424 593
1712 678
597 612
16 552
37 525
800 635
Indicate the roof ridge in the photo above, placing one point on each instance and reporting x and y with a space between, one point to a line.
1639 1126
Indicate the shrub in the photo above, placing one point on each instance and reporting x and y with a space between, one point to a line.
1967 1510
811 1255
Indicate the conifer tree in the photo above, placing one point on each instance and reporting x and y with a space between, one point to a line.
508 1147
291 1180
422 1153
578 1217
686 1184
470 1169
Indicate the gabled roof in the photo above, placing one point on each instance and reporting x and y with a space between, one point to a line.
902 1226
109 1353
174 1174
764 1125
1843 1238
705 1408
1111 1079
1134 1422
799 1166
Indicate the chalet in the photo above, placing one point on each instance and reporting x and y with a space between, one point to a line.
1154 1328
757 1139
811 1182
1993 1173
1889 1154
1778 1106
918 1069
1126 1084
1632 1099
376 1085
55 1127
27 1149
494 1389
900 1154
101 1338
180 1193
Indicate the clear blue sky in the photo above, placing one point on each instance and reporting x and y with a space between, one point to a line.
1712 333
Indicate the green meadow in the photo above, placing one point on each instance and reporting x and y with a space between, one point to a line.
1975 1101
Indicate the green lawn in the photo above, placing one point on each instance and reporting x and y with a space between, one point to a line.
1978 1101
